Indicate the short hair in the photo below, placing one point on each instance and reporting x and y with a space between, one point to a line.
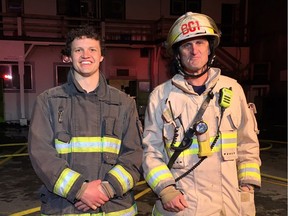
77 33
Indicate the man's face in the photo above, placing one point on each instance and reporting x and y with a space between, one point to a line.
194 55
86 56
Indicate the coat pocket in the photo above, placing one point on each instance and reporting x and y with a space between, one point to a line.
64 136
247 203
229 145
172 138
229 138
169 132
230 121
111 127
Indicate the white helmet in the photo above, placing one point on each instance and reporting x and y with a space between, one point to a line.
192 25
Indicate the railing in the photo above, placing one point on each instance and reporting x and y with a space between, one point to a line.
39 27
45 27
129 30
227 60
54 28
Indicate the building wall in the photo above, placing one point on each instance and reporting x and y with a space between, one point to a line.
155 9
47 7
143 9
8 54
209 6
126 58
152 67
44 59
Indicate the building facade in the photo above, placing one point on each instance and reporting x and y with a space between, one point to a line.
32 34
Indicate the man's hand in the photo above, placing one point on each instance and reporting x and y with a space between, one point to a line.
92 196
82 206
177 204
172 199
247 187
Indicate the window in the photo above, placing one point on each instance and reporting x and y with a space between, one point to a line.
260 72
61 73
113 9
122 72
179 7
62 7
76 8
68 8
229 23
10 74
14 6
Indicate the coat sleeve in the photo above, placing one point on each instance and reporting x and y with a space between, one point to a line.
155 158
53 171
248 162
127 171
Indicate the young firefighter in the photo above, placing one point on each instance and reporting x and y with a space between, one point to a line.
84 139
216 167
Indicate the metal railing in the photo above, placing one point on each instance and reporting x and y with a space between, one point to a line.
40 27
54 28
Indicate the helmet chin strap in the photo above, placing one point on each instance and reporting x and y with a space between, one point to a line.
190 75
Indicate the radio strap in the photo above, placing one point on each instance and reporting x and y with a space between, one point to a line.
187 140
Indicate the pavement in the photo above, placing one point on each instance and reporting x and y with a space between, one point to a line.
19 186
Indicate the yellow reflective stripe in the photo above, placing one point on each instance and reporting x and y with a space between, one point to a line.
217 147
84 214
65 182
229 141
249 170
123 177
194 148
158 174
176 144
248 165
250 175
89 144
229 145
230 135
126 212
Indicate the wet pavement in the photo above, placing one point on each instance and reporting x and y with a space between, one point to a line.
19 185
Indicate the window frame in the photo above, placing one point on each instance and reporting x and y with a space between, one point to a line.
56 77
32 77
18 3
179 7
109 11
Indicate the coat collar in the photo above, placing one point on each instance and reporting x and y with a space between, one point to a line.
101 90
180 82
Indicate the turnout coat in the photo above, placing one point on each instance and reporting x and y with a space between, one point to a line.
77 136
212 188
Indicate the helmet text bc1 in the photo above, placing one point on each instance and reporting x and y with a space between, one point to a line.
192 25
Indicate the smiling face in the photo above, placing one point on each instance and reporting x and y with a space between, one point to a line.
194 54
86 56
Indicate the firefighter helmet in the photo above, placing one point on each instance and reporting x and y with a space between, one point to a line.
192 25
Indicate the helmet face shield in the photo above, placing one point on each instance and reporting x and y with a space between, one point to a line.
192 25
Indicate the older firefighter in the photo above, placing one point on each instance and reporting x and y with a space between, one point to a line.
201 151
85 138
